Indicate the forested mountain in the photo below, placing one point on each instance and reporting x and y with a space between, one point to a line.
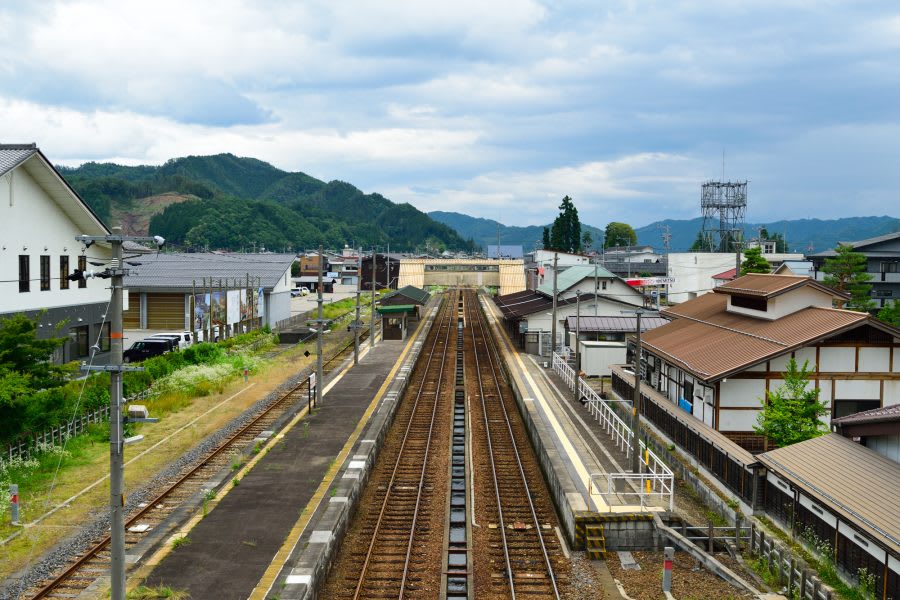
484 231
800 234
228 202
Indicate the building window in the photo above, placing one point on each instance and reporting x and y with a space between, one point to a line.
104 337
45 272
603 284
63 272
842 408
82 266
24 273
80 339
888 267
883 293
759 304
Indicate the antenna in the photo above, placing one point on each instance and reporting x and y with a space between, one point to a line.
723 164
666 236
723 205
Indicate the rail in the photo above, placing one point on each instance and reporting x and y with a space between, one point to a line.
658 481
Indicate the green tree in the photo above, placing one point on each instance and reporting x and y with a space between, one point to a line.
587 240
792 412
546 239
22 352
890 314
754 262
699 244
619 234
565 234
846 272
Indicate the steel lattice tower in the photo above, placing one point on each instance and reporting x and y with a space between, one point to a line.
724 205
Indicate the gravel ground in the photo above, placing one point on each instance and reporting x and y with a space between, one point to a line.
53 561
688 580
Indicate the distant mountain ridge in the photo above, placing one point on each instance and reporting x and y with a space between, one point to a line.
229 202
800 234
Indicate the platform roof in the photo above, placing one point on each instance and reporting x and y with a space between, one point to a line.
176 271
614 324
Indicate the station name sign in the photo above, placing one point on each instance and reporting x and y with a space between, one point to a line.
642 281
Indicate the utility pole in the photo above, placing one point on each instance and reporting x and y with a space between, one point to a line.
577 336
372 316
320 324
596 286
737 255
116 272
356 320
553 324
636 402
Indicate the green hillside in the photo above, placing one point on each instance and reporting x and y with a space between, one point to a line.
244 202
484 231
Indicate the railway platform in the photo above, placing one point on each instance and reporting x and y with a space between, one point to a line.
582 452
236 550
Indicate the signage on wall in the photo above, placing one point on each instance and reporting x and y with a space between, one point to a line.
642 281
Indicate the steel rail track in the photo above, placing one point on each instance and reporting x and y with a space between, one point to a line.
395 508
214 460
490 371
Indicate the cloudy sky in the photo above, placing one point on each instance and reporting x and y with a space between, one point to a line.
495 109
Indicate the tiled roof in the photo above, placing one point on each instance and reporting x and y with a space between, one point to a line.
12 155
179 271
615 324
725 275
769 285
876 415
860 485
858 245
712 343
571 276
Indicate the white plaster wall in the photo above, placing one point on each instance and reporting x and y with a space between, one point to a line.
757 368
857 390
779 363
284 283
795 300
36 222
737 420
804 354
741 392
837 360
896 366
891 393
874 359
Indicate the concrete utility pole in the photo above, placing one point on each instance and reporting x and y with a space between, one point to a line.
115 368
553 324
372 316
320 324
636 402
356 320
577 336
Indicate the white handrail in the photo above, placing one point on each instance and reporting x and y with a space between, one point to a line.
658 473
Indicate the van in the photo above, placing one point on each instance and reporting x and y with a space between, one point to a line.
146 348
184 339
173 339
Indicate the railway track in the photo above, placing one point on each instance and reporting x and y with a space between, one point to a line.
395 541
93 565
517 553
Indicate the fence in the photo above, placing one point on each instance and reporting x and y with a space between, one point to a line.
727 466
789 572
657 482
25 447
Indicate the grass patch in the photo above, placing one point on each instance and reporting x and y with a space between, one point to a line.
182 541
156 593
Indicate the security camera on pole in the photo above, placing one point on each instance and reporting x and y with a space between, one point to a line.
116 271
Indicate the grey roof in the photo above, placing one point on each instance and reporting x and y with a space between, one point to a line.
853 481
875 415
411 292
615 324
861 243
571 276
511 251
12 155
178 271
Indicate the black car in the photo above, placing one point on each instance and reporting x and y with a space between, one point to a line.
145 349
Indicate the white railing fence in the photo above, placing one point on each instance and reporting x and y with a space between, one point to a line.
657 481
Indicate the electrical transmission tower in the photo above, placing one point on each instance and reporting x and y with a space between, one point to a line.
724 205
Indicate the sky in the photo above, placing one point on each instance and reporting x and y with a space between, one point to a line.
494 109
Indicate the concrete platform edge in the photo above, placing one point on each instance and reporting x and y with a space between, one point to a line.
305 571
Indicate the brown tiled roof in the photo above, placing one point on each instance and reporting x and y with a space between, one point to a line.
858 484
876 415
712 343
767 285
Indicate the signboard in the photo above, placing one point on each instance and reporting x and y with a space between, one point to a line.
642 281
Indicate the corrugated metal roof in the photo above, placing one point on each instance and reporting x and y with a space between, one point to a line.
615 324
712 343
571 276
171 271
410 292
760 284
859 484
876 415
12 155
860 243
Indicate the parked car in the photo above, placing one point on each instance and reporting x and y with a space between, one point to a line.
146 348
178 339
296 292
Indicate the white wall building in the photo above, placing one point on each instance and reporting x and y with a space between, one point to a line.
41 216
693 272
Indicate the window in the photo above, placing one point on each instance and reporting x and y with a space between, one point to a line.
104 337
759 304
82 266
842 408
80 338
888 267
24 273
603 284
883 293
45 272
63 272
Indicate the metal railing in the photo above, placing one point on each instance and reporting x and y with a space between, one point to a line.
658 481
651 489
